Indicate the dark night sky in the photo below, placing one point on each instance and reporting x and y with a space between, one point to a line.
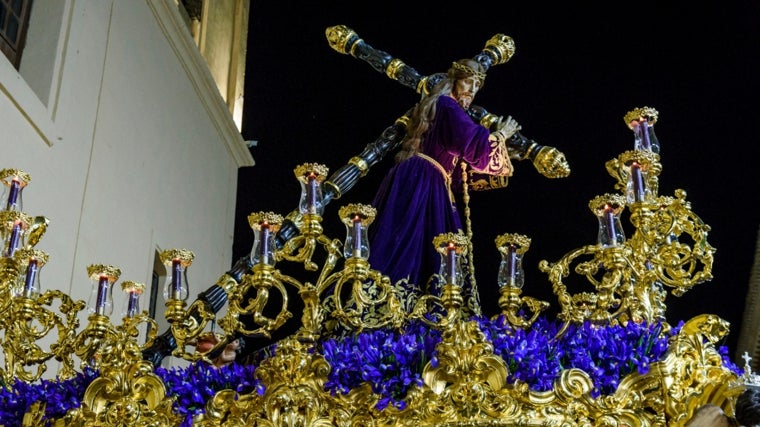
575 73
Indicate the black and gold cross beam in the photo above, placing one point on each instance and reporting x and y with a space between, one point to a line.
498 50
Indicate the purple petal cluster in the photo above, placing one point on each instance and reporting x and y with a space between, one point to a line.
609 353
194 385
731 366
391 361
532 355
537 356
59 396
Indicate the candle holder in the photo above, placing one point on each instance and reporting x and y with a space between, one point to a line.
512 247
176 287
27 320
30 262
262 279
13 228
101 296
15 181
357 218
133 291
265 226
511 279
259 282
641 121
648 168
607 209
311 176
358 296
100 305
27 315
301 248
452 247
186 325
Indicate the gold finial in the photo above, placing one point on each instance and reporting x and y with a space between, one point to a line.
7 175
257 218
302 171
616 202
640 113
366 212
500 47
183 255
522 242
130 286
98 270
459 240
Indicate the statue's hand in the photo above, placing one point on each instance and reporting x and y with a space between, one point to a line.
507 127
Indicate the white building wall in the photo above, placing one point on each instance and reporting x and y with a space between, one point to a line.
133 151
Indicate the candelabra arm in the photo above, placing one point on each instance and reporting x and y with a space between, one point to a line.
511 304
573 307
372 301
262 279
214 297
686 257
26 322
187 327
90 341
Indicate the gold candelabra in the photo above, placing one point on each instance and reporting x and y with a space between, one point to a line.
627 279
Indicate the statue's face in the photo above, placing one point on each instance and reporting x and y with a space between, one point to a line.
465 90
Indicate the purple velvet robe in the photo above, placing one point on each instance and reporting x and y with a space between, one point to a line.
414 204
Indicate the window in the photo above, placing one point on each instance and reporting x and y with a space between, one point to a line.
14 19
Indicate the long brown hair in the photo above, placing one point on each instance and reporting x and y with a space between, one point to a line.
423 112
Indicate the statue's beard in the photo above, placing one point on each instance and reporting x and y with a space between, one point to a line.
464 100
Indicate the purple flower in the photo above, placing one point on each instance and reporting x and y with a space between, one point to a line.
194 385
723 351
59 396
390 361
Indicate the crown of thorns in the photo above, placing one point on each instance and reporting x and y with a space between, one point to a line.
468 70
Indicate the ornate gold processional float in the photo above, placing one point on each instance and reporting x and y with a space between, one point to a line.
362 355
